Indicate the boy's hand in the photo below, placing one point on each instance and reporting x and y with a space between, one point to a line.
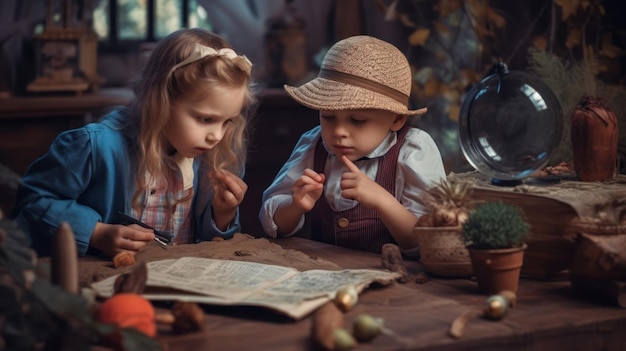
112 238
229 192
307 190
356 185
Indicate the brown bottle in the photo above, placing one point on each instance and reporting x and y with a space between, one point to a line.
594 140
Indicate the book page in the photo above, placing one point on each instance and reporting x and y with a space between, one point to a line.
226 279
230 280
226 282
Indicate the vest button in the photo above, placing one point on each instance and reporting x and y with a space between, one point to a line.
343 222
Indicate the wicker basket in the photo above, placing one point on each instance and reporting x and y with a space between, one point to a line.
442 251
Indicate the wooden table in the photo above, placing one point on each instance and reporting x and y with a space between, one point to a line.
548 316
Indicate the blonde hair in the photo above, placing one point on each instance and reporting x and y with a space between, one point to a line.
159 89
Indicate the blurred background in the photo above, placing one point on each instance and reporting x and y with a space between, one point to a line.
451 45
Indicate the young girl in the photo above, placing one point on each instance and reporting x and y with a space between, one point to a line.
174 159
361 173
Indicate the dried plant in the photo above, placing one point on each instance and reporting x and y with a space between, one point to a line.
449 201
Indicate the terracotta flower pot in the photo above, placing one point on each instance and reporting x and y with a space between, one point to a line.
497 270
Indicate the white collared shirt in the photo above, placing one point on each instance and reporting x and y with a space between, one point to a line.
419 166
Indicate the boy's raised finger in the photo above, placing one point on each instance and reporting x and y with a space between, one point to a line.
351 166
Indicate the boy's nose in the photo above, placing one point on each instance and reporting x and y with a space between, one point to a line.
341 129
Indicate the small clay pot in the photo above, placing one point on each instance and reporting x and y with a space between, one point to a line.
497 270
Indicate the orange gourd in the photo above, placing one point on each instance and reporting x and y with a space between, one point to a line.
128 310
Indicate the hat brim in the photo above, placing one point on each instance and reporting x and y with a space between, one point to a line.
330 95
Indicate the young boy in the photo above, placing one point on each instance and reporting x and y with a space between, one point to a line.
360 174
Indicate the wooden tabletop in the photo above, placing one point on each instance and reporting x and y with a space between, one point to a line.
548 315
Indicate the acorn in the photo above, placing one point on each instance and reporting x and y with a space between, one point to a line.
365 327
343 339
496 307
346 298
511 296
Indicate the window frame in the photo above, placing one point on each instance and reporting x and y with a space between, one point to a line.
113 44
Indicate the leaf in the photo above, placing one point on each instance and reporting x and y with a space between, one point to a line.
495 18
62 303
423 75
573 38
608 49
440 27
469 76
568 7
602 66
432 88
449 94
134 340
446 7
380 6
540 43
406 20
440 54
590 56
453 112
419 36
391 12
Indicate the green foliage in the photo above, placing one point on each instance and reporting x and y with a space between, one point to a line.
38 315
495 225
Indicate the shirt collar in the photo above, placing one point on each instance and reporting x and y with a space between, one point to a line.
380 150
185 165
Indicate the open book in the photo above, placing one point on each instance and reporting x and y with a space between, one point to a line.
226 282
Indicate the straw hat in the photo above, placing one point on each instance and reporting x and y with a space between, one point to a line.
359 72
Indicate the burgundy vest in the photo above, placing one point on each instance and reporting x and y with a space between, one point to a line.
358 228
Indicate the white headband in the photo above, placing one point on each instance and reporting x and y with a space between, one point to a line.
201 51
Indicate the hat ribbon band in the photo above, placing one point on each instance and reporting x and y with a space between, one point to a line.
365 83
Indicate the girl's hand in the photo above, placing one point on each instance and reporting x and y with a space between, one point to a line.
356 185
229 193
112 238
307 190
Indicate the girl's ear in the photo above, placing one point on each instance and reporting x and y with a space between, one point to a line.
398 122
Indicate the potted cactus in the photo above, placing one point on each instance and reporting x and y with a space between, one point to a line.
495 234
438 232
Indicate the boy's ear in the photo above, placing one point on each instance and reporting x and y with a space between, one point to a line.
398 122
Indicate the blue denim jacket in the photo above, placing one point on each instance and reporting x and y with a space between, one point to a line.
87 177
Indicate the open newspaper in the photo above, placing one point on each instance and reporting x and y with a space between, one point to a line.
226 282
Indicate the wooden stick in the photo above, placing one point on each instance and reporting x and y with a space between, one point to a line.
324 322
457 328
64 260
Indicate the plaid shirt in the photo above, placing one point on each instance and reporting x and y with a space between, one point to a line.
157 209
